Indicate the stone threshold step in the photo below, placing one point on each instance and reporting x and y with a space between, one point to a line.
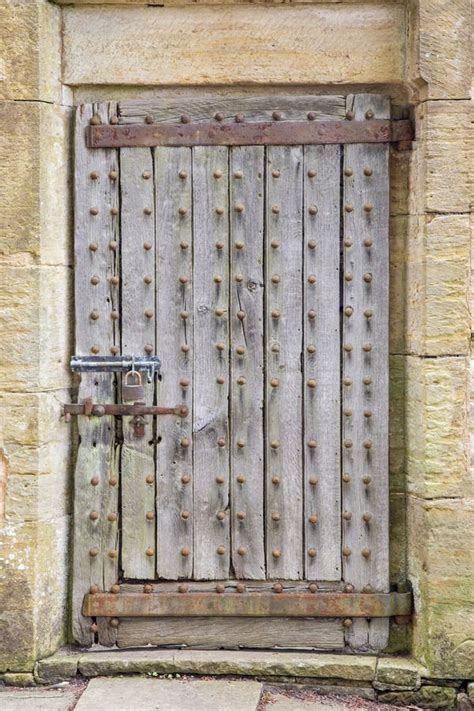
382 672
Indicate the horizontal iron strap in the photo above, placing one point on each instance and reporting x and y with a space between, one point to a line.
137 409
247 604
249 134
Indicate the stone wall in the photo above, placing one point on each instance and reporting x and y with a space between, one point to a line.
418 51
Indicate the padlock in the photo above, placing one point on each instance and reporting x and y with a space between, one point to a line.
133 392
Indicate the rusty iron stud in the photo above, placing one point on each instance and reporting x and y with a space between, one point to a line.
93 552
239 278
313 481
347 347
114 622
217 174
95 481
311 348
367 347
93 247
238 174
311 314
311 173
366 517
113 481
276 313
182 211
311 115
240 587
369 114
348 243
275 279
240 118
94 515
367 277
367 380
347 381
185 442
312 279
274 444
276 173
347 622
348 276
185 551
147 210
149 119
220 380
277 116
95 350
312 552
347 515
115 589
185 515
313 519
185 119
346 478
350 115
241 550
184 382
365 553
147 588
368 313
241 380
112 516
346 551
221 442
185 348
146 175
150 515
274 382
220 346
114 350
312 444
113 175
149 313
313 588
94 175
147 279
276 480
348 588
219 245
311 383
94 315
278 588
348 208
185 478
348 443
114 211
275 209
113 553
275 244
348 310
183 588
114 280
241 315
312 244
94 211
219 116
367 444
219 210
275 516
183 244
367 413
241 443
313 210
148 348
348 172
275 348
183 279
367 589
276 553
183 174
219 479
241 515
368 207
368 172
219 312
239 208
220 550
368 243
114 315
94 280
241 479
239 244
95 120
93 590
220 588
220 515
367 480
218 279
348 412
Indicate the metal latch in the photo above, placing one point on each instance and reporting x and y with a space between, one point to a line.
117 364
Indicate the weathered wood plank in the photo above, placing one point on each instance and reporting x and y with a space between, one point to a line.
95 545
174 335
246 400
231 586
255 108
138 338
283 284
321 362
231 633
365 368
211 362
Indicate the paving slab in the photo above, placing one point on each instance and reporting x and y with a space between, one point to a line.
37 699
150 694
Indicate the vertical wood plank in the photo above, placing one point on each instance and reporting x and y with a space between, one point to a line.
284 336
321 359
365 368
95 545
174 334
246 316
211 362
138 338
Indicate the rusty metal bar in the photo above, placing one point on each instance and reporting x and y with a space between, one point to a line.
245 134
135 410
247 604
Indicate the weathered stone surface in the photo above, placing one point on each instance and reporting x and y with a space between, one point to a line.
282 45
397 423
168 694
35 224
57 668
441 159
39 699
427 697
330 666
18 679
470 691
441 62
429 289
397 537
437 411
442 573
464 703
30 36
36 326
397 672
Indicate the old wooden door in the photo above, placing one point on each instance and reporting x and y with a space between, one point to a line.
256 268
